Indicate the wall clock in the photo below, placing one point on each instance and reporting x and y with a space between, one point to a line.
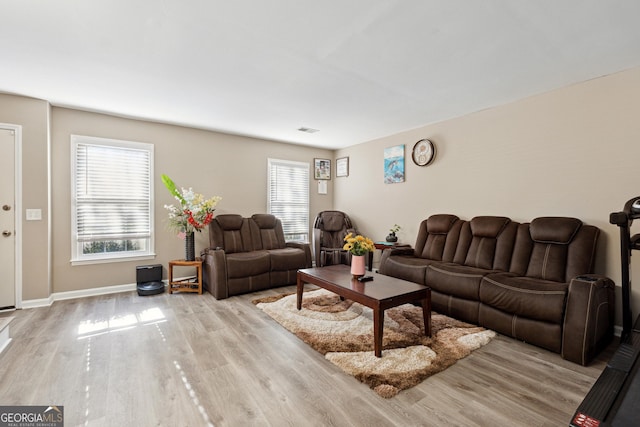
423 152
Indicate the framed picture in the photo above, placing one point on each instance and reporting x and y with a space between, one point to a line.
342 166
322 168
394 164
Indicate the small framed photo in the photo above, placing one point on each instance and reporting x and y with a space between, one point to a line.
342 166
322 168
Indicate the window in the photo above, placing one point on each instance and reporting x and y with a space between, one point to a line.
288 197
111 188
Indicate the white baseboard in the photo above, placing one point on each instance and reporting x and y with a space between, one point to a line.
5 337
5 340
83 293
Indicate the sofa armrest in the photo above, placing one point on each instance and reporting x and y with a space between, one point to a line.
307 251
589 317
317 234
396 251
214 266
404 250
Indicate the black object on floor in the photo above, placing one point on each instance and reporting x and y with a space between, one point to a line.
614 398
149 279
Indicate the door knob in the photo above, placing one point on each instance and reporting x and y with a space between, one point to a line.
6 233
6 208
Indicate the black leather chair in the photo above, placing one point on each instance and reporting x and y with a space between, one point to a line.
329 230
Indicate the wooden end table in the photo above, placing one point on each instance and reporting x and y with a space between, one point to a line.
381 293
381 246
192 284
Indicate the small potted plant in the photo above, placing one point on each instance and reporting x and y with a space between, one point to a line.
392 238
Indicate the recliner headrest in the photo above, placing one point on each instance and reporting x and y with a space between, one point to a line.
230 221
551 229
440 223
332 220
264 220
488 226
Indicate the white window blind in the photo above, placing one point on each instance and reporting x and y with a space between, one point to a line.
288 197
112 188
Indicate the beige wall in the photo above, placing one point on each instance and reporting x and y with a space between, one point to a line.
233 167
33 116
571 152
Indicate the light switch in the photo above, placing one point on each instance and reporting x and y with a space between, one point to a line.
34 214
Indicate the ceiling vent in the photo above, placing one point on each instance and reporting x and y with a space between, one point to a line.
308 130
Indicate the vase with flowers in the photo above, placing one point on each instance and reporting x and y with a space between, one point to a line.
358 246
193 214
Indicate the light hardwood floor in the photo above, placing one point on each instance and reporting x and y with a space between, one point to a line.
189 360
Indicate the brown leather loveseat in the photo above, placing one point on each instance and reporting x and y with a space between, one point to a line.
250 254
530 281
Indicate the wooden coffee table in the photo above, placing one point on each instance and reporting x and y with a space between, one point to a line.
381 293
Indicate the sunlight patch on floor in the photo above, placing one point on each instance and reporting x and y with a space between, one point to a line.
193 395
92 328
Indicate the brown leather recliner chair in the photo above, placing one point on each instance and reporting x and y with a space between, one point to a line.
329 230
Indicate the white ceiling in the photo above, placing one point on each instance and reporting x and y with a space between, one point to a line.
354 69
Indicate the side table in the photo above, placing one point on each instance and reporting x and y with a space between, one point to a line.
192 284
382 246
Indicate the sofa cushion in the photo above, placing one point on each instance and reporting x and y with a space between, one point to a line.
287 259
548 262
407 268
553 248
486 242
488 226
552 237
230 232
230 221
454 279
441 224
247 264
269 230
554 229
437 237
270 239
525 296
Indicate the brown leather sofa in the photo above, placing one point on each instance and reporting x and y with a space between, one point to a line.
250 254
530 281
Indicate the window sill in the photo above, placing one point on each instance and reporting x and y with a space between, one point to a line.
107 260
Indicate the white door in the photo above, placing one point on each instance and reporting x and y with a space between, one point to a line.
7 219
